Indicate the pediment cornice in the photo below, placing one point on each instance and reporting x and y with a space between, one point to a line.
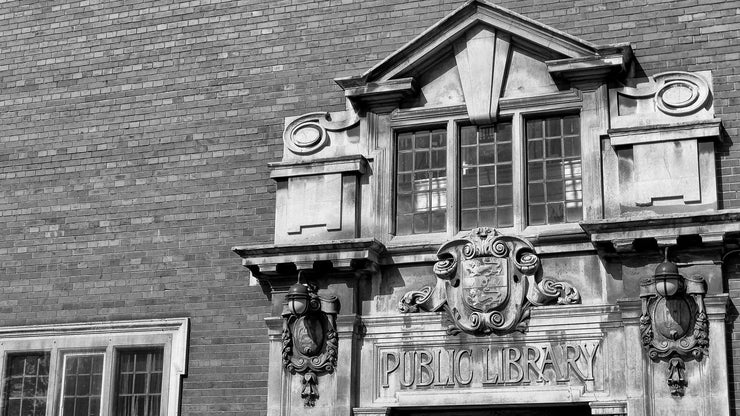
439 39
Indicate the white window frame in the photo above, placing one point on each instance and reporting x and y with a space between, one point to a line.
102 337
517 111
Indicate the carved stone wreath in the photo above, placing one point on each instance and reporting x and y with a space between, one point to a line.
310 343
487 283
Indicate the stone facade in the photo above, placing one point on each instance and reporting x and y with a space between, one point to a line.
136 143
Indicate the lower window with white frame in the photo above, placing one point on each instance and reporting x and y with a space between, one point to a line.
125 368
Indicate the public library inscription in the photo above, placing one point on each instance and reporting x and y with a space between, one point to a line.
488 365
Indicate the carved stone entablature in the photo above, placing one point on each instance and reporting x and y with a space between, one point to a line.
623 235
673 323
309 337
487 283
274 266
667 121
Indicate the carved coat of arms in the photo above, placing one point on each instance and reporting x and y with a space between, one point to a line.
487 283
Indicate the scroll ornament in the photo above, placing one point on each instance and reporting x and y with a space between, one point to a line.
673 324
307 134
487 284
309 337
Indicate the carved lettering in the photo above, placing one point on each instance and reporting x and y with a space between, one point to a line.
548 360
489 365
512 366
407 367
589 360
458 365
387 369
439 371
492 362
530 355
424 366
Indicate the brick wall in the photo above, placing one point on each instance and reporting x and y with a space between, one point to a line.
136 134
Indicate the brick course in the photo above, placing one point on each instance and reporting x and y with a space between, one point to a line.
136 134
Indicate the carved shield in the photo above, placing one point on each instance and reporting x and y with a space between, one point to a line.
485 282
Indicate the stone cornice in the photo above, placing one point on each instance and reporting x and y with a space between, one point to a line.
621 232
277 259
665 132
342 164
443 33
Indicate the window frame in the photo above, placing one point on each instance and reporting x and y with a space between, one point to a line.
96 337
517 111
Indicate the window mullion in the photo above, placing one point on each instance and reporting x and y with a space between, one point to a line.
519 161
55 374
453 180
106 392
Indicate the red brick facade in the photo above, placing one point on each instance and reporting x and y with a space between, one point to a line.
136 135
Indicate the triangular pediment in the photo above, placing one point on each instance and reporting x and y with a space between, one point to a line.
437 39
476 55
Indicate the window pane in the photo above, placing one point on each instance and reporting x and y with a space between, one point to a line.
80 372
405 141
139 383
421 223
469 219
487 175
554 173
534 150
405 162
26 383
421 140
468 135
572 126
487 151
421 182
552 127
487 197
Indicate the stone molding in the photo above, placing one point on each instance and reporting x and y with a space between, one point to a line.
712 227
441 34
666 132
608 408
354 164
268 259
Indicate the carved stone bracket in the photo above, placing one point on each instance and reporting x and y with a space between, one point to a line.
309 338
487 283
673 323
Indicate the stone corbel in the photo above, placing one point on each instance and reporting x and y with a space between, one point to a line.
378 97
591 71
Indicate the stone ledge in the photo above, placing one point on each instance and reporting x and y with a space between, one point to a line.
344 164
591 67
712 227
665 132
381 96
279 259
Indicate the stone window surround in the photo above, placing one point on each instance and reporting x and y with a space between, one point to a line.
516 110
107 337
